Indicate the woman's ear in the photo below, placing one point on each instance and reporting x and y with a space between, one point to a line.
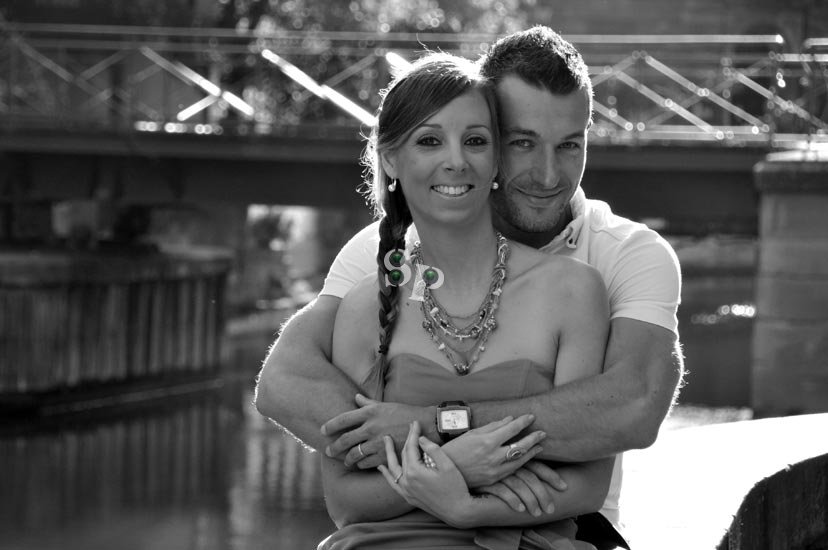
389 165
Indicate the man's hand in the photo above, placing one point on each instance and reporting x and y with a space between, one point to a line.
531 488
360 432
481 454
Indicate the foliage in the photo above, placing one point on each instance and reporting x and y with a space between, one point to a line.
380 16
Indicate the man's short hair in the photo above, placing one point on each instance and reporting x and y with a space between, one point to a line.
540 57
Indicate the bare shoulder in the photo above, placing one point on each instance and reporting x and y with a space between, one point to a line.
355 335
555 274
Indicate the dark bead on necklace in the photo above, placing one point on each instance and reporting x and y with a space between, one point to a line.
396 258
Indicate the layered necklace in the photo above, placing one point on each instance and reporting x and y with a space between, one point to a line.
463 345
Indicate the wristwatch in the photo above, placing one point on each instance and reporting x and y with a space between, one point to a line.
453 419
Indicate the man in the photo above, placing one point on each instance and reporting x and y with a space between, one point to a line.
541 84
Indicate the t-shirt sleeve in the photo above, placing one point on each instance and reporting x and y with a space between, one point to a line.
646 284
356 260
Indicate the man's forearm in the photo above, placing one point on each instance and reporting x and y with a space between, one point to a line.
302 403
359 496
581 420
587 486
298 387
618 410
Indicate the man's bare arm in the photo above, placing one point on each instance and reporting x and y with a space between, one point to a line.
298 387
617 410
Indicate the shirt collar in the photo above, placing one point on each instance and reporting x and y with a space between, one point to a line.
571 234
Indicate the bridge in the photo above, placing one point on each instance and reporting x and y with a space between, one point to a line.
171 114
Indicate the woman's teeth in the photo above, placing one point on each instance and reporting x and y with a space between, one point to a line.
452 189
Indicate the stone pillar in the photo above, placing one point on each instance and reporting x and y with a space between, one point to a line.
790 339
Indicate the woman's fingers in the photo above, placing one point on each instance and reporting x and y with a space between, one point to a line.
393 463
492 426
538 488
439 457
411 450
524 493
525 443
547 475
510 429
504 493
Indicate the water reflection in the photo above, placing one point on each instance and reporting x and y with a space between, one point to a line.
203 472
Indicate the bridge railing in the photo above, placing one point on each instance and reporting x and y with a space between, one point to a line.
739 90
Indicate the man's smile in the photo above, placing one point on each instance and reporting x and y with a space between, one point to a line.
540 197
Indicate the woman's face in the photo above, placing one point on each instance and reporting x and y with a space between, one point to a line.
446 164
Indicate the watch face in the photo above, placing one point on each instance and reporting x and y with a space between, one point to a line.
457 419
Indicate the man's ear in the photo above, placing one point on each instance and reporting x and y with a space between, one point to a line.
389 165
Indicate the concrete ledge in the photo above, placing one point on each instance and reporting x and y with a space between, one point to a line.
787 510
685 491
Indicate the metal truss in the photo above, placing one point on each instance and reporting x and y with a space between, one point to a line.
649 89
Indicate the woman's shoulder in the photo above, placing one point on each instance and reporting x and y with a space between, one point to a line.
531 261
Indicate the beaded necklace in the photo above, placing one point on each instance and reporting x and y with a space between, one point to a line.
438 323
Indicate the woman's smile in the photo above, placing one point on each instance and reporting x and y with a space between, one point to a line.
452 190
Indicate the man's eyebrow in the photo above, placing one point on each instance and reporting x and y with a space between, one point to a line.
522 131
532 133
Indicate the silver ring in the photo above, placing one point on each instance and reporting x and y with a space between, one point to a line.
397 479
429 462
360 451
514 452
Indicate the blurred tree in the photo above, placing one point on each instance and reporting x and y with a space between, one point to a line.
282 102
380 16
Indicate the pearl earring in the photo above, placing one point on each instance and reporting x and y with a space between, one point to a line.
495 186
393 186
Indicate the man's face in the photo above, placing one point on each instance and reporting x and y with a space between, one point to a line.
544 139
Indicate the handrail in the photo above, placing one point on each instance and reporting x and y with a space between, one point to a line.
725 89
812 43
246 34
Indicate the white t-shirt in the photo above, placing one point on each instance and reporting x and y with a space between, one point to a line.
639 268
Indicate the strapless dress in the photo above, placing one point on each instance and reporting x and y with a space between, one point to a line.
415 380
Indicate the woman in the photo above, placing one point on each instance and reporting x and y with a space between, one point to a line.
464 315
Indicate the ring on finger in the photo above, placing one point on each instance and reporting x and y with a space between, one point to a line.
514 452
360 451
429 462
397 478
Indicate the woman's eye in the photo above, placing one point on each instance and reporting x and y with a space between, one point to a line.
521 143
428 140
477 140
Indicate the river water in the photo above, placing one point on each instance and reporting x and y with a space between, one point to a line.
200 469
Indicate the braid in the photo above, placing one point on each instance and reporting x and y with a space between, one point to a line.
412 98
392 228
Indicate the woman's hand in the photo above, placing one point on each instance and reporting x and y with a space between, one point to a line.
439 490
532 489
484 458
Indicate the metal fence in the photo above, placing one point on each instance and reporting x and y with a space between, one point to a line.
736 90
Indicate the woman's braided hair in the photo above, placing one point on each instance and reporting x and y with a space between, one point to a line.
413 96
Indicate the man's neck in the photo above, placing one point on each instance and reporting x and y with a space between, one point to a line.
529 238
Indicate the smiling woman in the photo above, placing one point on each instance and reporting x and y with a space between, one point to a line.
447 163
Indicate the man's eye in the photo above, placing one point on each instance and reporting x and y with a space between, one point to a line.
571 145
521 143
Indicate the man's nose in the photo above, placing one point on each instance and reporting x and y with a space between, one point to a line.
548 170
